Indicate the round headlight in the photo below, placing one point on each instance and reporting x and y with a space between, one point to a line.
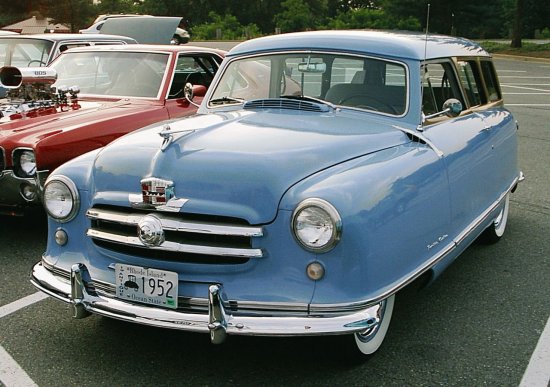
61 198
316 225
27 162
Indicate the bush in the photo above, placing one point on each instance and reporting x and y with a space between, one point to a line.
228 27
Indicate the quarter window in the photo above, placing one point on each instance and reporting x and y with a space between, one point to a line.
491 81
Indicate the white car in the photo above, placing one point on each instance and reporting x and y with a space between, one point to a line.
181 36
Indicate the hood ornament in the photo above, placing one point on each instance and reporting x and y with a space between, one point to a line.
157 194
167 134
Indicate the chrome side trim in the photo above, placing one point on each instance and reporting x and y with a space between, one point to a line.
174 224
177 247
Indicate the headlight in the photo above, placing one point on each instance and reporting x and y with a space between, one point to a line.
27 163
316 225
61 198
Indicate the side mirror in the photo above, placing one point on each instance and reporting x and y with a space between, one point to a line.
452 107
190 91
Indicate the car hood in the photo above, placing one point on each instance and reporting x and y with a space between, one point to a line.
144 29
29 131
237 164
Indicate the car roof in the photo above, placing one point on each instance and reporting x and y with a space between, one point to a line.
71 37
149 48
406 45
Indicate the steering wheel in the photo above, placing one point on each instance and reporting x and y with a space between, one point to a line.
367 102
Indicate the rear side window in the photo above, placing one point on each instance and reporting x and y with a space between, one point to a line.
491 81
471 82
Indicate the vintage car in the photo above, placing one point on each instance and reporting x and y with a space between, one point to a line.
84 100
324 172
180 35
41 49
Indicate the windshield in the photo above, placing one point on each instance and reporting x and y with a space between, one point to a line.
24 52
352 81
110 73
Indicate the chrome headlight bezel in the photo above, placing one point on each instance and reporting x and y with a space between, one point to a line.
326 214
56 188
24 161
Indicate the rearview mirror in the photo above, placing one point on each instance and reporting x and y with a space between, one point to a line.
312 67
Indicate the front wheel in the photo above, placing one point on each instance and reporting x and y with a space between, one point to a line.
368 341
495 231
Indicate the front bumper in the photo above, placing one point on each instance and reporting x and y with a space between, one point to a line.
217 321
13 199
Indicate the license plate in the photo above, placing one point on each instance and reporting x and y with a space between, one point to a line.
148 286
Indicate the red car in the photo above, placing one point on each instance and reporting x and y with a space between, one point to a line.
86 98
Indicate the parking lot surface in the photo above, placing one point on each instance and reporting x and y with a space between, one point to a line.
479 324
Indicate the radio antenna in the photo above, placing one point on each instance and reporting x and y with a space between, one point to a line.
420 128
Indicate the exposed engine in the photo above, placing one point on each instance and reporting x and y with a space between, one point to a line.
30 93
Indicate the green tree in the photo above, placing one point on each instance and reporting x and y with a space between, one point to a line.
224 27
301 15
74 13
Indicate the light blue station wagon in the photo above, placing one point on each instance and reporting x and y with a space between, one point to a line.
324 172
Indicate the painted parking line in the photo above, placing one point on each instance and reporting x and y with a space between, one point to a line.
538 370
22 303
11 375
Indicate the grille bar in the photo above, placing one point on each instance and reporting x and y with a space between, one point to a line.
175 224
182 237
177 247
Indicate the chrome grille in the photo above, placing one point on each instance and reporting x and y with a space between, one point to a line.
212 241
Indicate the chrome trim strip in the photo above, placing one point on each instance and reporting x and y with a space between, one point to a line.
417 134
175 225
177 247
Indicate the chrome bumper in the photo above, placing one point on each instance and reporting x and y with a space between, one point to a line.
218 322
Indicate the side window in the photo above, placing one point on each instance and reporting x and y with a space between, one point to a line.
439 84
491 81
471 82
197 70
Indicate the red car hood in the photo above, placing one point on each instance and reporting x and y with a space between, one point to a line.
29 131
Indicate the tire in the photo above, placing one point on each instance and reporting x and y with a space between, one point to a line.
369 341
496 230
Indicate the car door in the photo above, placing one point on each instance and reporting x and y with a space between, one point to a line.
466 142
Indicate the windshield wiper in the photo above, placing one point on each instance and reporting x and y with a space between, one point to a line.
224 100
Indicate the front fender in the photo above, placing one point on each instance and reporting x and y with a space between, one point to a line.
394 206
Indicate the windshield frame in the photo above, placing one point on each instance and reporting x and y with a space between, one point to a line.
231 61
12 42
104 56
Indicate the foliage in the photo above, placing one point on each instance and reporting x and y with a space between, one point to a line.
469 18
527 49
227 26
372 19
301 15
